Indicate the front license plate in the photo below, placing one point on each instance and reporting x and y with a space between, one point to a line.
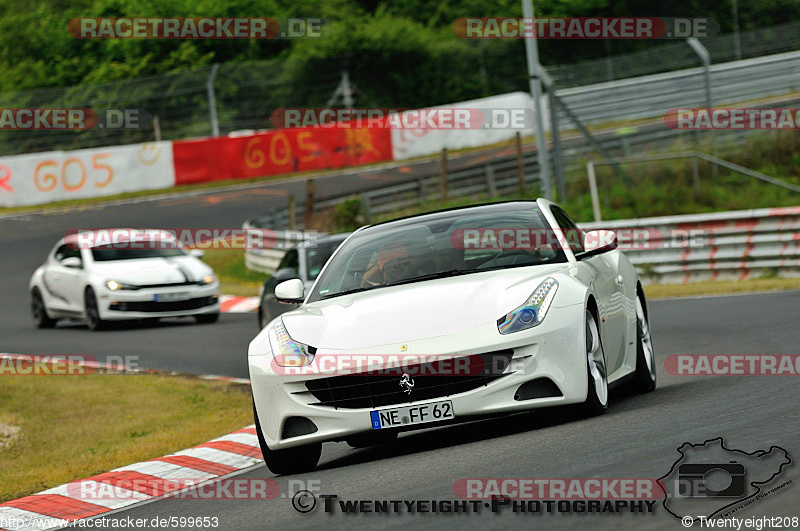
167 297
405 416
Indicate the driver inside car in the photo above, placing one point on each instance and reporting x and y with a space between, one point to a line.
394 264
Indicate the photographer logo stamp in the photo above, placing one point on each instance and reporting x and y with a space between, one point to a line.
710 478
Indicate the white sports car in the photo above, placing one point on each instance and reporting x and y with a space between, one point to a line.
128 279
445 317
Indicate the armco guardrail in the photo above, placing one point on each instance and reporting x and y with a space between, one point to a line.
267 260
651 96
717 246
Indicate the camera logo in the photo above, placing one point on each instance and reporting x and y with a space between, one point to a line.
707 480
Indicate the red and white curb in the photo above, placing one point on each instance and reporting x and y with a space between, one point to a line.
57 507
237 304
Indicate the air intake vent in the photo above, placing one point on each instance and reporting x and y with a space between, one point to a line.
538 388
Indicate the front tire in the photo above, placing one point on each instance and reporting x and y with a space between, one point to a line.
597 393
291 460
39 311
92 311
644 379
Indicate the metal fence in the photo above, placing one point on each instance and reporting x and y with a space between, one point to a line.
677 55
717 246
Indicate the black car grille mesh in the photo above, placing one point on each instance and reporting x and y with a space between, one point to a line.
369 390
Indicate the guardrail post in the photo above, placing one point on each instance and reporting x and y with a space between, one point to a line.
443 181
593 191
290 221
366 204
520 165
309 202
421 184
156 129
491 186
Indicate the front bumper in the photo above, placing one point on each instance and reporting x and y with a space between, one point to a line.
144 302
553 350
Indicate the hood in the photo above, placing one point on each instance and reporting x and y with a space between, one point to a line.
410 312
146 271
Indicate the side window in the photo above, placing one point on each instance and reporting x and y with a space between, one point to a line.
65 251
291 260
573 234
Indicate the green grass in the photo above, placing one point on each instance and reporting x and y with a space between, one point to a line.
72 427
234 276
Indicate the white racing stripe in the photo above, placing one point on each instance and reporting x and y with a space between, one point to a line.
220 456
238 304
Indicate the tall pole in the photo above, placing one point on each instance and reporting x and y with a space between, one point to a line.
532 53
212 101
737 43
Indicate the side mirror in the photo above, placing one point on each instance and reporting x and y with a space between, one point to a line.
72 261
197 253
290 291
599 241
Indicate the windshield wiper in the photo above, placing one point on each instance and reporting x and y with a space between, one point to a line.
346 292
432 276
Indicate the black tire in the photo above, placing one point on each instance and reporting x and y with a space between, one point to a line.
291 460
206 318
644 380
92 312
39 311
596 370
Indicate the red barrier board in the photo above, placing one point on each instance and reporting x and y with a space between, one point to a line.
278 152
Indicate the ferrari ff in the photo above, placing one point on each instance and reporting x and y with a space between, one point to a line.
520 325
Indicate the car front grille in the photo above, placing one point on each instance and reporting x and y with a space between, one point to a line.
169 306
369 390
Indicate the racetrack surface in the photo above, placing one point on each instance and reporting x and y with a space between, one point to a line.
637 438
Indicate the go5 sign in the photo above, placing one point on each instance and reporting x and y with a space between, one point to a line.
61 175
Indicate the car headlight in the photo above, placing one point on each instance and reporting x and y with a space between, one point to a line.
208 279
113 285
286 351
532 312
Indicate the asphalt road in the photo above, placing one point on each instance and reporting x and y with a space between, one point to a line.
637 438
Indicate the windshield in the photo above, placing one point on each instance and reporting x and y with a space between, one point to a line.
433 246
108 253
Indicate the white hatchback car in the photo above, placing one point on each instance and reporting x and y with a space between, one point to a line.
446 317
121 282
